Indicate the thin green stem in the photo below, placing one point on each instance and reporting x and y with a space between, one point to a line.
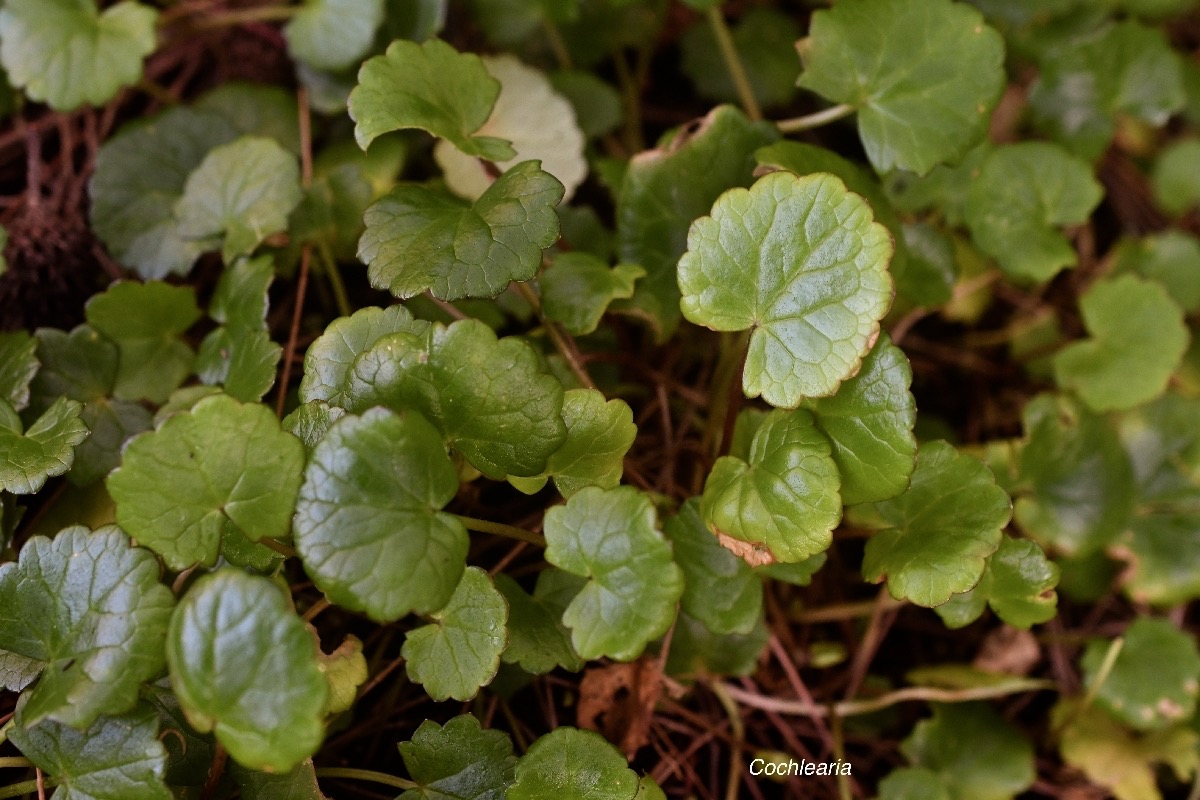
8 726
329 265
500 529
850 708
810 121
278 547
15 762
839 752
557 44
245 16
631 93
729 362
733 63
366 775
737 730
562 342
28 787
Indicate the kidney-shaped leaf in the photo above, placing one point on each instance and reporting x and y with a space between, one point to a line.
221 468
44 451
573 765
430 86
458 761
116 758
1138 338
67 52
801 261
1018 584
783 499
976 753
331 35
944 527
923 74
459 651
246 667
368 523
418 239
489 396
538 641
89 609
579 288
611 537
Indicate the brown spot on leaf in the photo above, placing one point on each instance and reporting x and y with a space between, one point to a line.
754 554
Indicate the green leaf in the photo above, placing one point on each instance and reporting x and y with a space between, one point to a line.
597 104
802 263
242 360
1154 682
869 422
611 537
664 189
927 275
1081 487
1173 178
116 758
245 667
1172 258
240 299
923 74
976 753
798 574
66 53
1163 535
599 434
220 469
241 193
720 590
913 783
538 641
257 110
573 765
1024 193
1018 584
418 239
1120 69
1112 757
695 650
529 113
80 365
943 528
458 761
146 320
782 501
299 784
18 364
430 86
310 422
488 396
578 288
1138 338
368 525
140 175
89 610
330 360
112 423
46 450
459 652
764 39
345 672
333 34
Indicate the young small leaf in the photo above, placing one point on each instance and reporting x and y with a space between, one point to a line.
332 35
116 758
802 263
572 764
923 74
720 590
245 667
536 119
944 527
579 287
146 320
345 671
459 651
44 451
430 86
89 610
417 239
458 761
599 434
1138 338
67 53
1024 192
241 193
368 525
489 396
221 468
537 639
611 538
869 422
1155 680
782 500
1018 584
664 189
974 751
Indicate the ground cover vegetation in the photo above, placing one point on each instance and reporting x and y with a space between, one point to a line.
599 399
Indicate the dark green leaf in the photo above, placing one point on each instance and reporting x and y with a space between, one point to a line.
695 650
44 451
976 753
333 34
720 591
579 287
571 764
1018 584
458 761
18 364
537 639
1173 179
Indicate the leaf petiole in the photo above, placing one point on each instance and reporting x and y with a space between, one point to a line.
364 775
500 529
28 787
733 62
815 120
